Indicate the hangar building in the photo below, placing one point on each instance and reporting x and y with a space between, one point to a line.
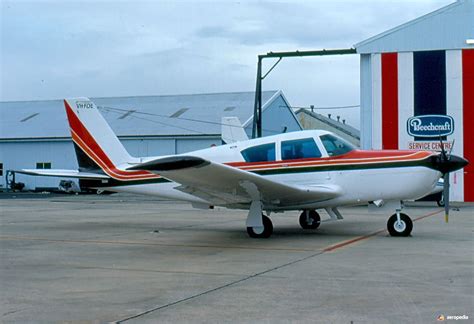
35 134
417 83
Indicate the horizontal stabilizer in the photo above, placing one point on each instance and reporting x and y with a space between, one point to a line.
62 173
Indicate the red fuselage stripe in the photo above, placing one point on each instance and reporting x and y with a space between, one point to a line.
112 172
343 160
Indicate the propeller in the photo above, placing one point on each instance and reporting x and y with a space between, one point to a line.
445 158
446 163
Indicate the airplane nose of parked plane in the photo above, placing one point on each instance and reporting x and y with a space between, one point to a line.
449 164
456 162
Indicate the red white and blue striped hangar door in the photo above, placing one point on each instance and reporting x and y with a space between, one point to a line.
418 96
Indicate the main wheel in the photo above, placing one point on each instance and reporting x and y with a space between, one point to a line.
312 221
261 232
402 228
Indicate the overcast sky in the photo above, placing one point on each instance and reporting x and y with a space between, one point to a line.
57 49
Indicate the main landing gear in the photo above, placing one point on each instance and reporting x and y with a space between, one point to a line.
258 225
264 231
399 224
310 219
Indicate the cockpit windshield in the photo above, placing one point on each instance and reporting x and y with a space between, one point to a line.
335 145
260 153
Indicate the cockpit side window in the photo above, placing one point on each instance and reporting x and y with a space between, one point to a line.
336 146
260 153
299 149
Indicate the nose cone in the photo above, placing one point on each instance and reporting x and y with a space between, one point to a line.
456 162
450 164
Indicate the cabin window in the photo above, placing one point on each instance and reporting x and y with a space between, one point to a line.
43 165
260 153
299 149
336 146
1 169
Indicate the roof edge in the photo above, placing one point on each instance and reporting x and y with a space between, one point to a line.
335 125
120 137
142 96
265 105
409 23
278 93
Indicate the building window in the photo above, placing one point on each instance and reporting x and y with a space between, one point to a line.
1 169
43 165
299 149
260 153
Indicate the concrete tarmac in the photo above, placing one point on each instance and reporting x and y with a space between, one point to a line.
134 259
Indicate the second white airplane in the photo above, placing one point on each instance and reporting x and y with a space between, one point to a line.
305 170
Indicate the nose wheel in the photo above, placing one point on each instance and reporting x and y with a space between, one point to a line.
310 219
264 231
399 224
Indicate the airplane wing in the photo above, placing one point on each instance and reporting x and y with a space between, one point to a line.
221 184
62 173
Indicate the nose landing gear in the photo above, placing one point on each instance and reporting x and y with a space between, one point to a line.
399 224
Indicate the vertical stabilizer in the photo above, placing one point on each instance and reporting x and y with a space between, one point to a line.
96 143
232 130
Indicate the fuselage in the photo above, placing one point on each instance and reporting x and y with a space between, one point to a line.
305 158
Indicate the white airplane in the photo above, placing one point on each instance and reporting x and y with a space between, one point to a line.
304 170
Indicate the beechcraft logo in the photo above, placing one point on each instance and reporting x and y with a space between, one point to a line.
430 125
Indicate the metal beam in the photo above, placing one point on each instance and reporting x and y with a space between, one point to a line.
257 112
322 52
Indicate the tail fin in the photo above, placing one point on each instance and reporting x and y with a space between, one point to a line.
232 130
97 146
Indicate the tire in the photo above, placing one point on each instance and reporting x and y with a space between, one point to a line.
405 227
314 218
267 229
